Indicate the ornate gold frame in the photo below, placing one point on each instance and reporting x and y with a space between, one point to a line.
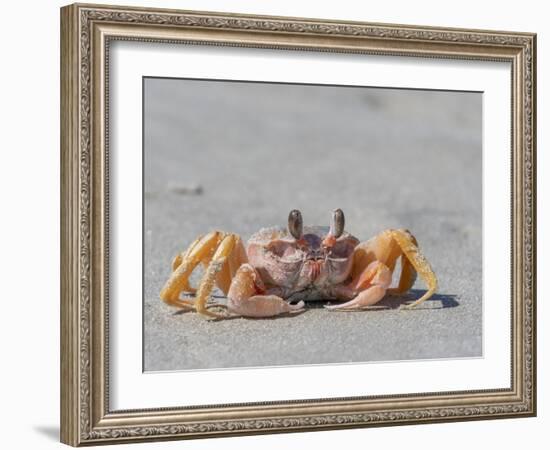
86 31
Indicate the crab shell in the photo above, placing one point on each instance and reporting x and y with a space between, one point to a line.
302 269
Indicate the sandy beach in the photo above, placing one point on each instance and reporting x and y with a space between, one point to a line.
239 156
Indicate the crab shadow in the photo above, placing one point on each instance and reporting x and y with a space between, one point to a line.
390 302
222 307
393 302
237 317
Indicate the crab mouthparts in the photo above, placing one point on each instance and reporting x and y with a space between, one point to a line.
315 250
314 268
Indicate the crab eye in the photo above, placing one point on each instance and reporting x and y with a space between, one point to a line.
295 223
338 223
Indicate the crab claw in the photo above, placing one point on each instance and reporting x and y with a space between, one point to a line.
243 298
264 306
371 287
365 298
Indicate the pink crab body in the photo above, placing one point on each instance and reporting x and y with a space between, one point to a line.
301 272
281 266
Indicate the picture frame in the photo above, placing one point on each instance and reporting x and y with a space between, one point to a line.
87 32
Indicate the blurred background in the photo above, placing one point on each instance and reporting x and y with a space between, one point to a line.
238 156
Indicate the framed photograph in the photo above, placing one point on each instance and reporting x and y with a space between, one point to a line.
276 224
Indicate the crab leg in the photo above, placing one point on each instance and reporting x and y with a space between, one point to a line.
179 258
371 284
211 274
406 278
186 263
236 257
247 297
408 245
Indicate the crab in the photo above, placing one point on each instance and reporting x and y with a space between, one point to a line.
282 267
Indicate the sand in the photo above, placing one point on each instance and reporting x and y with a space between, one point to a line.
240 156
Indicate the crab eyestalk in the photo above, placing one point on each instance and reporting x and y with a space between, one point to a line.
336 230
295 224
338 223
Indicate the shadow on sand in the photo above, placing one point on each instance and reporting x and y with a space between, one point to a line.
437 301
390 302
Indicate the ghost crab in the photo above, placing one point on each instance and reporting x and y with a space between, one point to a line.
281 266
